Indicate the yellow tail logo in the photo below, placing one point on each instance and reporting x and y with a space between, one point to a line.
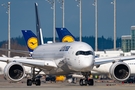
32 43
68 39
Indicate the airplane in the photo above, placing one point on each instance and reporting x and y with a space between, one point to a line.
65 35
63 59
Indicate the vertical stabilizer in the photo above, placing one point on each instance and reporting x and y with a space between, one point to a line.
38 27
30 39
64 35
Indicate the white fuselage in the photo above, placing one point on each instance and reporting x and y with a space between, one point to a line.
78 56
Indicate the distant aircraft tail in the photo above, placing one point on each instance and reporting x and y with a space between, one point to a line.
38 27
64 35
30 39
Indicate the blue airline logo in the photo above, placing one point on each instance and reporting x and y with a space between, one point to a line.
65 48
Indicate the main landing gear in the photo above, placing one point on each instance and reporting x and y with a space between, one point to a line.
34 80
86 81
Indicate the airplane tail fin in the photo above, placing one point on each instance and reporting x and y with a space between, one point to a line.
38 27
30 39
64 35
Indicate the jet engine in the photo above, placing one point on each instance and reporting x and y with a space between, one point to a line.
14 71
120 71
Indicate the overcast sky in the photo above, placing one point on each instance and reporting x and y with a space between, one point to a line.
23 17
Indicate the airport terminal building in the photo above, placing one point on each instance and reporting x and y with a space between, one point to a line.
128 41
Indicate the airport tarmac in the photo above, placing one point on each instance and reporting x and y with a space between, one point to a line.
6 85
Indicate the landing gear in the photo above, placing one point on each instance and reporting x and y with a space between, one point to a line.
83 82
35 80
86 81
91 82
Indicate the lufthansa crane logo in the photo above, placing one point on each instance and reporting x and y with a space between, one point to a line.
32 43
68 39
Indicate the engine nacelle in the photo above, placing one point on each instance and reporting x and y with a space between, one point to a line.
120 71
14 71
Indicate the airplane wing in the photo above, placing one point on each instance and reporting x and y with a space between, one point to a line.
44 64
99 61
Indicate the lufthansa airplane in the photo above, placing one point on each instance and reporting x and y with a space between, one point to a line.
63 59
65 36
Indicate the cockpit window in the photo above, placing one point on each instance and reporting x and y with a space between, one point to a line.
84 53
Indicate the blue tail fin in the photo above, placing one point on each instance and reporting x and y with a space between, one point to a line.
64 35
30 39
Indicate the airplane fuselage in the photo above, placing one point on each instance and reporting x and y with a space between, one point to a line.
77 56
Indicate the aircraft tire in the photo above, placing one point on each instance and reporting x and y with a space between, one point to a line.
90 82
37 82
29 82
81 82
86 82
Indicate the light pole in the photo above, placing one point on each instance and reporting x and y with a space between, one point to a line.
96 25
8 29
8 7
63 12
114 3
52 2
80 5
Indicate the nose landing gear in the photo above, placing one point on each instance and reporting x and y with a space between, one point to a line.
86 81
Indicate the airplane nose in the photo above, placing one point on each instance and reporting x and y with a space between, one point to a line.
87 63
